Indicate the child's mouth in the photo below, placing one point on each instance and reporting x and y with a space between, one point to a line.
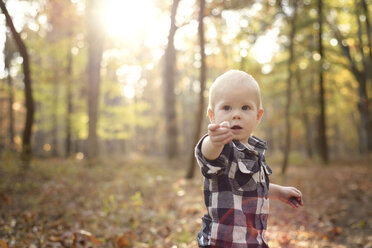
236 127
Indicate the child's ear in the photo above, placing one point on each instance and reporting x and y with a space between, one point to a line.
259 115
211 115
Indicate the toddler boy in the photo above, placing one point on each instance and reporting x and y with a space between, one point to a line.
236 182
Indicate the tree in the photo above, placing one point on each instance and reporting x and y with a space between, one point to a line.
290 64
369 36
169 74
95 51
203 76
9 51
361 72
69 104
26 139
322 139
304 115
66 25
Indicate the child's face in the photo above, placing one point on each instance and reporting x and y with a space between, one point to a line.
239 105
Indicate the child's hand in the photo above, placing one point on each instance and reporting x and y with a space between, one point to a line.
220 134
291 196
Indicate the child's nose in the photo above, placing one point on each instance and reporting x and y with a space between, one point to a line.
236 115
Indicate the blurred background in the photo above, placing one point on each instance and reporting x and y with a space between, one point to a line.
102 103
120 77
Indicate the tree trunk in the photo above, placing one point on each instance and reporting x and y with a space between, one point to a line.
8 54
11 112
369 36
323 147
3 137
367 62
287 146
363 97
169 72
95 50
203 76
54 118
26 139
304 115
69 104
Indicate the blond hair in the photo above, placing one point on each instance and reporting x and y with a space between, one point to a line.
232 76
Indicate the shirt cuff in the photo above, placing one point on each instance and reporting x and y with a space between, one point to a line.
210 167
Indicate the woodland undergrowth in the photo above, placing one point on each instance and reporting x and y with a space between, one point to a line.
146 202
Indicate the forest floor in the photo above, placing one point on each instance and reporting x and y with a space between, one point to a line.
141 202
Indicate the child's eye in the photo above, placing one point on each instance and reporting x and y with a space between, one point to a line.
245 107
226 107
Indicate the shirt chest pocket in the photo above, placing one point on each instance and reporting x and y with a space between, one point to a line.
244 174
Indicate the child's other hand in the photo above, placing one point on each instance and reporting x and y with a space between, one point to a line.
220 134
291 196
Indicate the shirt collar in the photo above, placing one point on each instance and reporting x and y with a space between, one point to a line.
258 145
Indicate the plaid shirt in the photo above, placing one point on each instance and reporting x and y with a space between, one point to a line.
236 190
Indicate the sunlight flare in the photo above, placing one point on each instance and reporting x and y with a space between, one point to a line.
129 91
128 18
266 46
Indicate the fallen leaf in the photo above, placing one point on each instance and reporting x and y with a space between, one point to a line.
5 198
89 236
124 241
3 244
54 238
336 230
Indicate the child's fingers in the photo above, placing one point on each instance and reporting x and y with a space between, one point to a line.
221 139
220 134
228 139
294 202
219 131
297 191
299 196
292 197
301 201
213 127
225 124
296 199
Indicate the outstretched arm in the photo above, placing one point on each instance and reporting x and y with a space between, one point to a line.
218 136
288 195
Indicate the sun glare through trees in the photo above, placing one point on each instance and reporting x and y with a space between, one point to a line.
103 101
